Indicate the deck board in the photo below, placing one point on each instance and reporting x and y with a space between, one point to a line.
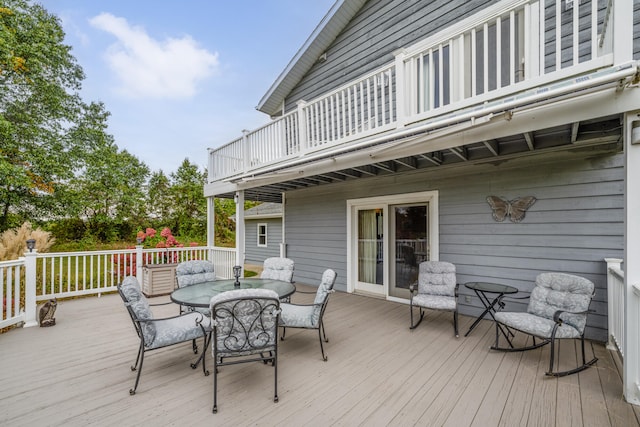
378 373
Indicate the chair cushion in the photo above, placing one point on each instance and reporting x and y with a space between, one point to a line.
140 307
192 272
178 329
245 322
437 302
278 269
437 278
300 316
559 291
326 286
535 325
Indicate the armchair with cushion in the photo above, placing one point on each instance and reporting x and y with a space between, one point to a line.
162 332
190 273
436 289
310 316
245 329
278 269
558 308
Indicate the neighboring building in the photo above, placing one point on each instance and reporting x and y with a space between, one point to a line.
263 232
396 120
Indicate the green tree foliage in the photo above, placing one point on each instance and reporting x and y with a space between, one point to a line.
39 83
189 206
109 192
158 204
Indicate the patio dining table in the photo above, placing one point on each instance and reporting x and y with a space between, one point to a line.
200 294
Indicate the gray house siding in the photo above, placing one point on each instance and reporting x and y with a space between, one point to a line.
576 222
255 254
369 40
636 29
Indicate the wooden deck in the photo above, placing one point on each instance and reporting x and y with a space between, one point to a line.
378 373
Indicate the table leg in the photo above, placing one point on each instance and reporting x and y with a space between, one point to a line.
488 308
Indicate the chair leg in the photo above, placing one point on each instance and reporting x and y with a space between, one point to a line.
275 376
324 332
413 326
215 384
140 349
194 345
139 369
284 331
455 322
321 347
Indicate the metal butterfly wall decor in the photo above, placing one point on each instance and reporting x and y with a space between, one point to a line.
514 209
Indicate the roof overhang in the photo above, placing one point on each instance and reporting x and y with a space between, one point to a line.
318 42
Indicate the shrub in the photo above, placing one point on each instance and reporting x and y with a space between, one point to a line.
13 243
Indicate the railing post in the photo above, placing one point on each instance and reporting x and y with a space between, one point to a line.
622 30
303 138
139 261
611 317
240 228
401 90
30 304
245 148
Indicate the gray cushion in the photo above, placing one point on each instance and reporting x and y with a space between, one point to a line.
308 316
179 329
140 306
437 302
277 269
535 325
193 272
560 291
437 278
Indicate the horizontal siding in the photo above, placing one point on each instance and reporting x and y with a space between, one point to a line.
368 41
576 222
257 254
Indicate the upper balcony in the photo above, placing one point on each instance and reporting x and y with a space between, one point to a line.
511 54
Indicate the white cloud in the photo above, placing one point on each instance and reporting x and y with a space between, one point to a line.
149 68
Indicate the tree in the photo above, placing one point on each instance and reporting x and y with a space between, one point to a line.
158 196
109 191
39 84
189 206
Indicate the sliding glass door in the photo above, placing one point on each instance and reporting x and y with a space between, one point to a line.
388 239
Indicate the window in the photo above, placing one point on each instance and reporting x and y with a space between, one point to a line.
262 234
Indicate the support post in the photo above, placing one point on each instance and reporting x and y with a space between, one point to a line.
211 226
631 365
240 229
30 304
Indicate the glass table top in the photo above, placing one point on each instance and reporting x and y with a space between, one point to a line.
494 288
199 295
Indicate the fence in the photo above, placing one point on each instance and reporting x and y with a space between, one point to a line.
41 276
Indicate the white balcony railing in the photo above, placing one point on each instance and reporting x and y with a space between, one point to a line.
623 313
506 49
41 276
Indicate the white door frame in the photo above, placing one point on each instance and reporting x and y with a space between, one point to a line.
353 205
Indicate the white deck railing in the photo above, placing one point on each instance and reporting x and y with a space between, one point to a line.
510 48
624 326
41 276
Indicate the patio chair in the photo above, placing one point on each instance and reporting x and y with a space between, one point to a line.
278 269
245 329
191 273
558 307
161 332
436 289
310 316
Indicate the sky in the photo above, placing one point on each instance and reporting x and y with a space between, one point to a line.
181 77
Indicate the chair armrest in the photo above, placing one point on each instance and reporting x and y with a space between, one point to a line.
455 291
200 315
161 303
557 314
413 287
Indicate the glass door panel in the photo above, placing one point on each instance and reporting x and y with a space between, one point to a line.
370 250
409 245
